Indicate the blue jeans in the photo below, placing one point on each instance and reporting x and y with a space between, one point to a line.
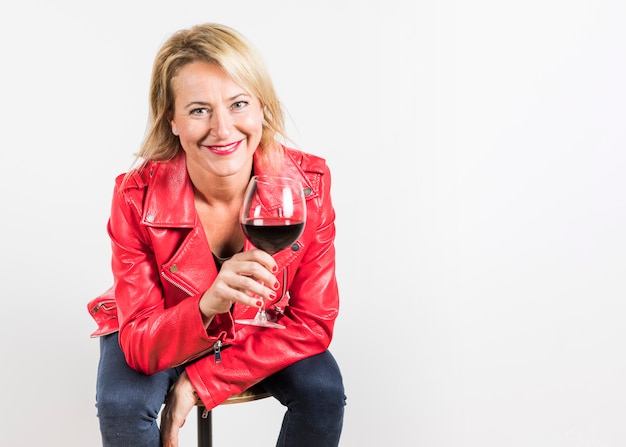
129 402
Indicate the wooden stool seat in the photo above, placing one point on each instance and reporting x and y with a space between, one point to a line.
205 428
255 392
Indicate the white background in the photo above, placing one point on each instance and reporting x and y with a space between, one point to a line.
477 151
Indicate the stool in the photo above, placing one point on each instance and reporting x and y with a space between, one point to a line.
205 425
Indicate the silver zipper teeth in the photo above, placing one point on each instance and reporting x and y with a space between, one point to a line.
175 284
102 305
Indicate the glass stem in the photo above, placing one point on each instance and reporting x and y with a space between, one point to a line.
261 316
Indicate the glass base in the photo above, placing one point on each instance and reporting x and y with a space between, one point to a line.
261 323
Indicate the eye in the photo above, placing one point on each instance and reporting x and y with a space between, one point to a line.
239 105
200 111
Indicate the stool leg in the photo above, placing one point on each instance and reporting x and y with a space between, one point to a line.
205 429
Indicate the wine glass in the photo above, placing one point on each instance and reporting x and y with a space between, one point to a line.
272 217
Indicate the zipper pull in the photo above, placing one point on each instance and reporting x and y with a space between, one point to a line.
216 350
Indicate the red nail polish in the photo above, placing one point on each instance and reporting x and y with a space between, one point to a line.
259 303
274 269
272 295
276 285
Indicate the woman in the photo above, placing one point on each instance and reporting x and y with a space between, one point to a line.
182 275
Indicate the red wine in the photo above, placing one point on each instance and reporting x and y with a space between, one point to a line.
272 235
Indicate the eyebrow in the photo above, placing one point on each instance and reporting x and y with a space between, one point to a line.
196 103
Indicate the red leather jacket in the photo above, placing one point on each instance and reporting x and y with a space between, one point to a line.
162 264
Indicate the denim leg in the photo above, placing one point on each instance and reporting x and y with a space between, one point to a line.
312 390
128 402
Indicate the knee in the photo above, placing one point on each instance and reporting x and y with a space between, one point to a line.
125 407
321 397
127 420
320 408
330 393
319 384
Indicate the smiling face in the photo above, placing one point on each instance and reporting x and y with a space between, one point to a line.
218 122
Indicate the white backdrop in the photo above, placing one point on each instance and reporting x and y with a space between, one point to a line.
477 151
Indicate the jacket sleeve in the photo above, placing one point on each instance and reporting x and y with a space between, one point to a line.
309 318
146 326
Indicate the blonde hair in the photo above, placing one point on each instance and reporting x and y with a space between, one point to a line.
225 47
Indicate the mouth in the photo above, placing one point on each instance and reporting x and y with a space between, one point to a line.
225 149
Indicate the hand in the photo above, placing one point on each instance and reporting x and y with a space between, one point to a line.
241 279
179 402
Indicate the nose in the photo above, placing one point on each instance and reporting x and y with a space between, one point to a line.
221 123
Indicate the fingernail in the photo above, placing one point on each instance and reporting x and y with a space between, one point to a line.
272 295
276 285
259 303
274 269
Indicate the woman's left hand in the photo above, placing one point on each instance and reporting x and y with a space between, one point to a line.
178 404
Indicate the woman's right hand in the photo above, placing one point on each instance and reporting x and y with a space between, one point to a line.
246 278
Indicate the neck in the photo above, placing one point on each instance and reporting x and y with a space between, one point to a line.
215 190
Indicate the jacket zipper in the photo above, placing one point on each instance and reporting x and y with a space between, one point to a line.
102 305
217 347
217 350
175 284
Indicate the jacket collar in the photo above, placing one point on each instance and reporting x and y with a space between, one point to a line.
169 199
